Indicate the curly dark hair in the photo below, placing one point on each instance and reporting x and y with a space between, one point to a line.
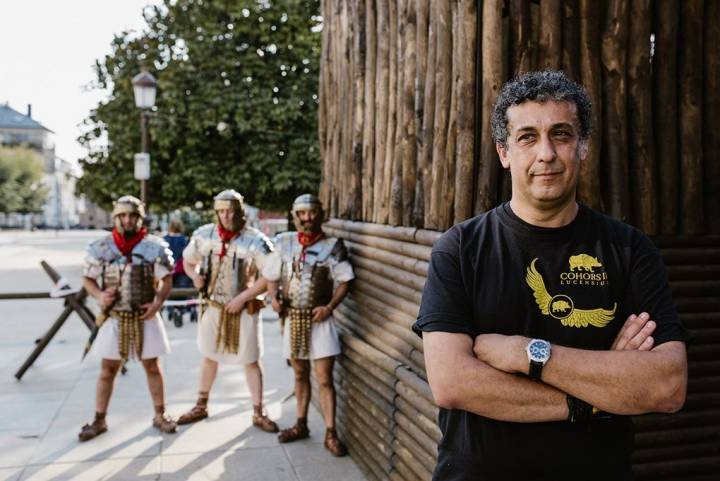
540 86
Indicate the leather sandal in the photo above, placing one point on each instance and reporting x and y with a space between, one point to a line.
333 444
297 432
89 431
197 413
263 422
164 423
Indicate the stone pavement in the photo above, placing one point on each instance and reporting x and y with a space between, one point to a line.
41 415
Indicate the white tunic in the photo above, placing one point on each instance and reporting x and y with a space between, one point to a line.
103 255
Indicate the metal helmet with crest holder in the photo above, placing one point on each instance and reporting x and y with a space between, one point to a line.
308 202
128 204
231 199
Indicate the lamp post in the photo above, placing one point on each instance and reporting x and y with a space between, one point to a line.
144 88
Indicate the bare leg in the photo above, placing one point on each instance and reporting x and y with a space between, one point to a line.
155 380
301 367
324 375
254 376
105 384
208 373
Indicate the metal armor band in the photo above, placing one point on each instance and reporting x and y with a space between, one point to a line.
227 338
130 340
300 332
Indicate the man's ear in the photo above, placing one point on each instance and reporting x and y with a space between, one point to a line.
583 149
502 152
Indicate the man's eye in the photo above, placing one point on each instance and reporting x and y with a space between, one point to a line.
525 137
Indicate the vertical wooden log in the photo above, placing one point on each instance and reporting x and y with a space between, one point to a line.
395 195
409 141
421 12
381 102
691 120
443 84
447 194
520 36
465 45
590 175
643 170
614 48
711 120
324 193
550 41
426 152
492 79
369 110
571 39
665 101
359 53
345 114
384 212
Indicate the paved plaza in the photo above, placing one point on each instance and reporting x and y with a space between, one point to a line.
42 414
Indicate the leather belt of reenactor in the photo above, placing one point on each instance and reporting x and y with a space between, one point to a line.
300 331
131 333
227 338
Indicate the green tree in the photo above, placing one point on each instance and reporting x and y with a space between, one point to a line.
236 106
21 173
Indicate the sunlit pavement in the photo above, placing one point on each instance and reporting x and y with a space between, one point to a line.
42 414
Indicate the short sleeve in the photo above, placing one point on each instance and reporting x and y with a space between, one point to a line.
191 253
342 272
92 268
161 270
649 291
269 264
445 305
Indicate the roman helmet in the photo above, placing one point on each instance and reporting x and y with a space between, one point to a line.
231 199
128 204
308 202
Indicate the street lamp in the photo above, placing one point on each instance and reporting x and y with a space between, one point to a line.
144 88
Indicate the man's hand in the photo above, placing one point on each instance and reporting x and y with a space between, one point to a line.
505 353
198 282
107 297
276 306
151 308
320 313
635 334
236 304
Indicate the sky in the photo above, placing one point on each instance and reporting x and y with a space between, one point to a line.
47 52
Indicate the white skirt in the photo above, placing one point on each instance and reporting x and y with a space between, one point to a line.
155 340
250 346
324 342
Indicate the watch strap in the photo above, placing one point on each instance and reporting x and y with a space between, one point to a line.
535 370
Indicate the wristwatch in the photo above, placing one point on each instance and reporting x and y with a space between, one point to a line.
538 352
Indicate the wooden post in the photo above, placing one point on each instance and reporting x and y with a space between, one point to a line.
550 41
381 102
421 12
691 121
369 110
711 117
443 83
425 155
520 36
395 200
590 172
492 67
665 101
325 180
465 45
409 141
384 213
571 39
642 152
614 49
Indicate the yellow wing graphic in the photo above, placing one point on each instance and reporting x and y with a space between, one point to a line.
593 317
537 284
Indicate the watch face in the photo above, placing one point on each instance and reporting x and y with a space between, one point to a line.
539 350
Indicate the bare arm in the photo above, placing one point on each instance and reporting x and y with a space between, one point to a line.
190 270
161 293
620 382
320 313
459 380
104 297
237 303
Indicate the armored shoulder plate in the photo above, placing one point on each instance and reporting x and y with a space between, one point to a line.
153 249
287 245
103 250
253 239
339 251
207 231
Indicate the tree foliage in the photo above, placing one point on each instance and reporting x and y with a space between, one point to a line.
21 173
236 105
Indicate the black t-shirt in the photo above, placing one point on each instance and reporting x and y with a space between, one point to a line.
573 286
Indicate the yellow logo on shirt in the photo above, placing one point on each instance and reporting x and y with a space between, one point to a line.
562 307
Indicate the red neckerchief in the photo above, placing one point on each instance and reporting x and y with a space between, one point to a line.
306 240
127 244
225 236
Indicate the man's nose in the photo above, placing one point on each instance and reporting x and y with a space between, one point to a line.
546 149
